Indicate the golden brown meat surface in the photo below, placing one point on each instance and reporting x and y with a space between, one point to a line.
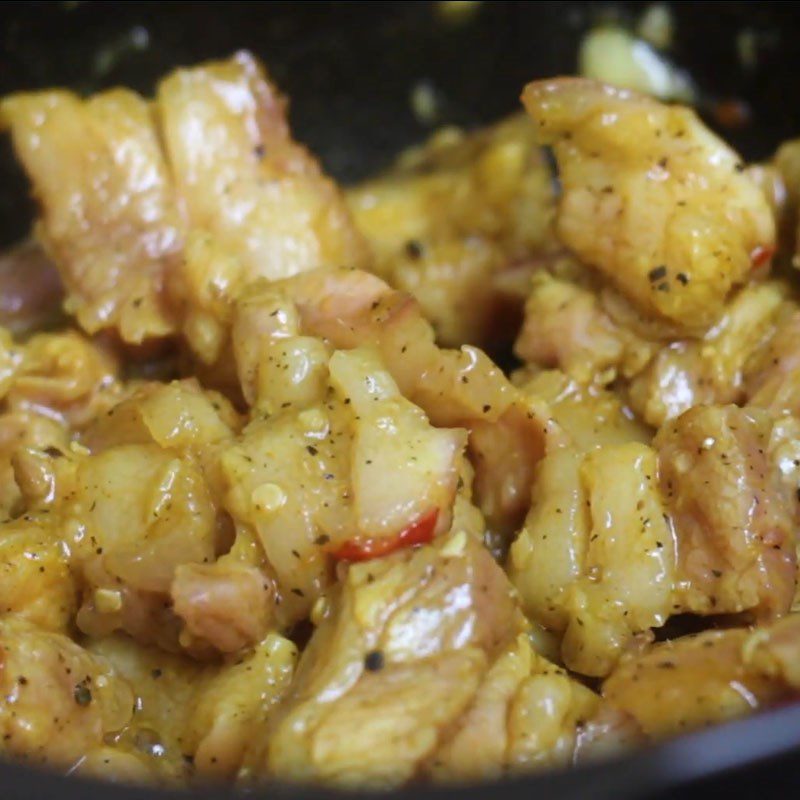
735 518
695 681
269 512
460 223
157 214
651 198
417 665
702 522
109 218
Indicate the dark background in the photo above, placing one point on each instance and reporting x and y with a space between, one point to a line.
349 69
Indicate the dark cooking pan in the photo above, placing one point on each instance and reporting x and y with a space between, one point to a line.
349 69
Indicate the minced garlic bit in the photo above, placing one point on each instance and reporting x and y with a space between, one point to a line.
79 449
268 497
107 601
313 420
454 546
612 55
425 102
320 609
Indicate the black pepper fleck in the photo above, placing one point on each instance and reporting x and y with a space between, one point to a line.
657 273
373 661
414 249
82 695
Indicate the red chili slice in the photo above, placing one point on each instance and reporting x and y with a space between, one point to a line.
733 113
363 548
761 255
